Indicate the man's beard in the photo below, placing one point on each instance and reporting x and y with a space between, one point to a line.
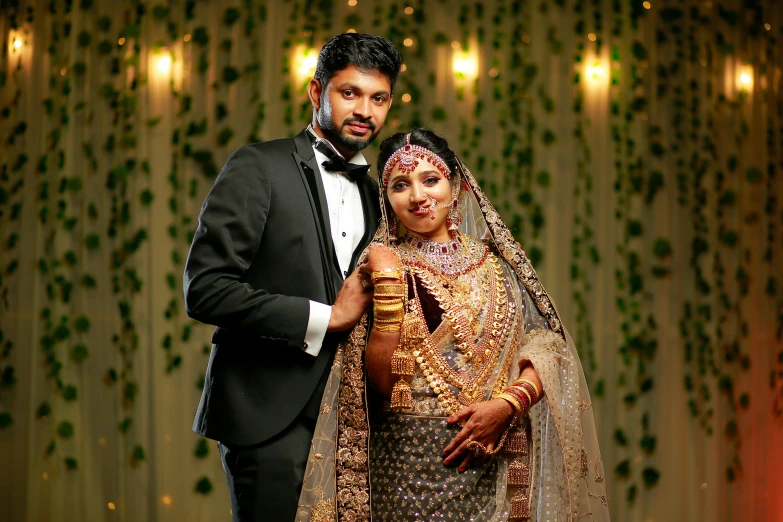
333 132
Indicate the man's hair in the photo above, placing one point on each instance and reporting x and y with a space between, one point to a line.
365 51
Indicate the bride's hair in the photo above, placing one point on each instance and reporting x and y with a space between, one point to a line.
424 138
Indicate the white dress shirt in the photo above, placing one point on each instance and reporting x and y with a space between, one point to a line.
346 217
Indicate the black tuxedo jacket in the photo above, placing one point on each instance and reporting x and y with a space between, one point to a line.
263 248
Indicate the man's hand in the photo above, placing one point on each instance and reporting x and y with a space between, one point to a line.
352 300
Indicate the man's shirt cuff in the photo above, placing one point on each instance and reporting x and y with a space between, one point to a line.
316 327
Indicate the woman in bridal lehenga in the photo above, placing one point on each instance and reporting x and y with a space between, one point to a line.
460 396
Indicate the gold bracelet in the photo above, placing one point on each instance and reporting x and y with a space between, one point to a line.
386 317
388 273
535 388
388 328
388 311
390 290
513 401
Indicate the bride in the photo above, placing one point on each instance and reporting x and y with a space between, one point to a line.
461 396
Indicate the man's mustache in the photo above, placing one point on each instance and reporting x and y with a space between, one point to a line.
367 122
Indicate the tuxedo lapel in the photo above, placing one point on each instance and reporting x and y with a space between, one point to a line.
304 156
369 194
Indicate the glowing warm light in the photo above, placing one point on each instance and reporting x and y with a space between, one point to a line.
406 97
352 2
455 45
647 5
703 487
18 42
403 68
493 73
186 37
111 506
63 71
101 441
745 77
591 37
351 30
167 438
644 64
766 26
305 61
407 42
408 10
121 41
526 39
596 72
166 500
464 64
164 64
307 32
45 476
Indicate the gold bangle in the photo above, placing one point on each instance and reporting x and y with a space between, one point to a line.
535 388
388 311
390 290
513 401
527 394
388 328
388 273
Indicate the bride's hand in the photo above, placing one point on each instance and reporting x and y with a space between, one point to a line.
483 423
379 258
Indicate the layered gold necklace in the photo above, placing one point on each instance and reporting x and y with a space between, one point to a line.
467 281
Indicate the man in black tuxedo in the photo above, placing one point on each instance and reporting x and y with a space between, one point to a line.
278 236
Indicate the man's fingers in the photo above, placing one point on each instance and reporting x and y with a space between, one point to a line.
462 415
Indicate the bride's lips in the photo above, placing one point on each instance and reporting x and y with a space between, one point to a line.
419 212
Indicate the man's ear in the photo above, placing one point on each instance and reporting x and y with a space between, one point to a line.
391 99
314 92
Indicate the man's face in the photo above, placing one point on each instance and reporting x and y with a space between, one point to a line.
352 109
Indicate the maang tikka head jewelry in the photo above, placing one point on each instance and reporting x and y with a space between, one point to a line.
408 156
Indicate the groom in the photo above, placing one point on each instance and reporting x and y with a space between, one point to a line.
278 236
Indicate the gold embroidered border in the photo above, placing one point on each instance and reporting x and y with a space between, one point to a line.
352 467
511 251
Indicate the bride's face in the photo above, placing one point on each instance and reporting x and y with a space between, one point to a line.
420 200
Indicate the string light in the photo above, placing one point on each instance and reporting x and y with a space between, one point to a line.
745 77
351 30
526 39
493 73
407 42
703 487
63 71
18 42
647 5
111 506
406 97
166 500
121 41
101 441
305 60
596 72
766 26
186 37
164 63
591 37
45 475
403 68
167 438
455 45
352 2
465 65
408 10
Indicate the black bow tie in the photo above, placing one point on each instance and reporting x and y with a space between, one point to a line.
337 163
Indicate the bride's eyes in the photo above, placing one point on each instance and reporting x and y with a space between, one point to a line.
400 185
432 180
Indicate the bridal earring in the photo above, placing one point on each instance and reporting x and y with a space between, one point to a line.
454 218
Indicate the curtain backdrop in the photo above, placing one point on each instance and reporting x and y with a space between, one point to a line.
635 148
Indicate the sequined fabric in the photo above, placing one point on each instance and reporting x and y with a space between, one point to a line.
409 480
